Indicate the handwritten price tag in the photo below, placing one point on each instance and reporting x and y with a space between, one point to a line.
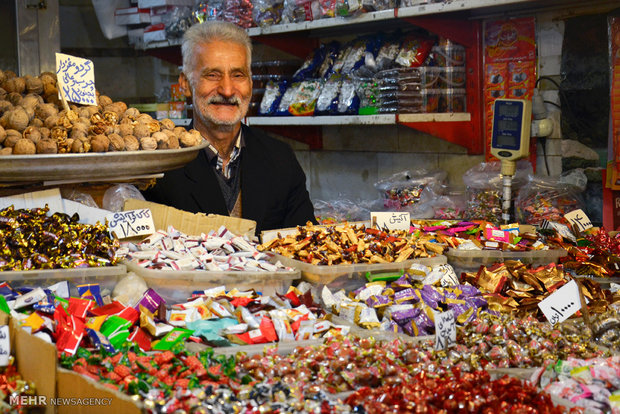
391 221
131 223
5 345
579 219
76 77
445 330
562 303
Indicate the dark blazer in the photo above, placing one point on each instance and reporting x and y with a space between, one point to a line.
273 185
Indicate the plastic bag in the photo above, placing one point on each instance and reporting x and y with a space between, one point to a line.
129 290
406 188
368 93
450 204
238 12
304 101
177 22
271 97
77 196
267 12
295 11
484 189
115 196
343 209
348 8
327 102
414 51
348 101
549 198
310 66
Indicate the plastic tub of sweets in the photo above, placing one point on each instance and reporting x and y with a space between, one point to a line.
352 276
106 277
471 260
176 286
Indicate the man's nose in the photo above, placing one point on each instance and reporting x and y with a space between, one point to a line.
225 87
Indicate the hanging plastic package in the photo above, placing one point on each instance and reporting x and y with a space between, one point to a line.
271 98
327 102
348 101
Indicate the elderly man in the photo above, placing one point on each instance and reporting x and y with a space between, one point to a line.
243 172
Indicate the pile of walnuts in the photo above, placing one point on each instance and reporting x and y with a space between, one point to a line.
32 121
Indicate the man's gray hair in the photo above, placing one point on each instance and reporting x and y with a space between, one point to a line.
210 31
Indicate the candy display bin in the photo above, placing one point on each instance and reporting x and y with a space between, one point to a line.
352 276
106 277
177 286
471 260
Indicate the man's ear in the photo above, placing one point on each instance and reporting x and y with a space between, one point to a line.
184 83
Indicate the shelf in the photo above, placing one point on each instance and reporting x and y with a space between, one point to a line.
388 119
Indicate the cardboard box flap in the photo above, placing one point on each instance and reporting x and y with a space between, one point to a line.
191 223
36 362
72 385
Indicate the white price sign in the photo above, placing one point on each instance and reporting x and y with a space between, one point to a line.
5 345
562 303
445 330
76 79
131 223
391 220
579 219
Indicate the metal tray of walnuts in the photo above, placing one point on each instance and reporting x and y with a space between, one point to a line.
48 167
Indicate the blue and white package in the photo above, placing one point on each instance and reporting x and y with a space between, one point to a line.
348 101
327 102
271 98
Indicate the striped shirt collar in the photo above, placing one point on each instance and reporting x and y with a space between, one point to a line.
213 153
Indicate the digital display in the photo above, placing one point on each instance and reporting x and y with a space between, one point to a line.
507 141
507 125
511 111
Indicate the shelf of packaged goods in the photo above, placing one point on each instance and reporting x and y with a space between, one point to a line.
387 119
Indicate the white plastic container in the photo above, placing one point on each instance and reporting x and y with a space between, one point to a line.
177 286
471 260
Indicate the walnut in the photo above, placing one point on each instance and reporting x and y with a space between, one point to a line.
34 85
104 101
122 106
178 131
48 77
67 118
78 134
80 146
47 146
17 85
12 137
2 77
126 121
51 121
30 112
82 124
32 133
125 129
58 133
162 140
148 143
131 143
111 117
18 119
5 106
100 143
190 138
45 132
84 112
117 143
36 122
91 110
10 74
141 130
153 126
144 118
167 124
173 142
53 99
15 98
24 146
2 93
6 151
2 134
131 113
4 119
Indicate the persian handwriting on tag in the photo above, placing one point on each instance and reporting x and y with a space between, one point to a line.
579 219
445 330
391 220
76 78
131 223
562 303
5 345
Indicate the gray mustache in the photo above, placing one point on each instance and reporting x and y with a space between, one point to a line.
233 100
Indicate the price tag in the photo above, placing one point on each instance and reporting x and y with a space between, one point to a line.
579 219
131 223
76 77
445 330
391 220
5 345
562 303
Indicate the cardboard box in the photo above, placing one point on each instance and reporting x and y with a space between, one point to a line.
190 223
95 397
154 33
132 15
36 362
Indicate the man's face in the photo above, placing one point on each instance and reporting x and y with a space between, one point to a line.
222 85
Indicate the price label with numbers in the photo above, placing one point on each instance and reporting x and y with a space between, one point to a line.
578 219
5 345
131 223
562 303
445 330
76 79
391 220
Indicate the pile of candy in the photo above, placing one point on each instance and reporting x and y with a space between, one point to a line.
332 245
219 250
14 387
592 384
32 239
406 304
597 254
